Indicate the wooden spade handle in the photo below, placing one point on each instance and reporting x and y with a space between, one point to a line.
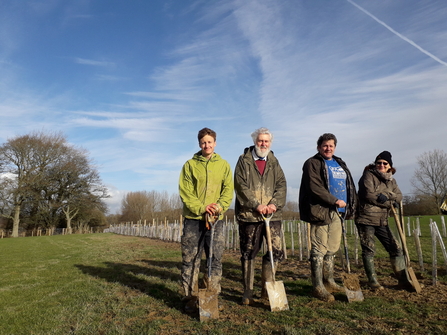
401 235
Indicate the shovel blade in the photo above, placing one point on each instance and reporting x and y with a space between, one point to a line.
352 287
414 280
354 295
277 296
208 305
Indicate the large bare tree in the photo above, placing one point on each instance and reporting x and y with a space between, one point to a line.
430 177
42 171
75 185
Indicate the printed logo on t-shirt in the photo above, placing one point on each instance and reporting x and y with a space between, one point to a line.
337 172
337 181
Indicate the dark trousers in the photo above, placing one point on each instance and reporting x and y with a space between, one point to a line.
195 239
383 234
251 236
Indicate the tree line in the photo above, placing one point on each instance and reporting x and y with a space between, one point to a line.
45 182
155 206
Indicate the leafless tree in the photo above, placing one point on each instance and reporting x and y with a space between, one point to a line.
150 205
75 185
291 211
176 205
44 174
430 178
137 206
22 160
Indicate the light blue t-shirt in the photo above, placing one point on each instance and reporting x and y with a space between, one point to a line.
337 181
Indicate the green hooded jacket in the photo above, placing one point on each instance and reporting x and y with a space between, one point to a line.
203 182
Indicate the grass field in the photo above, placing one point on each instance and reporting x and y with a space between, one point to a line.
111 284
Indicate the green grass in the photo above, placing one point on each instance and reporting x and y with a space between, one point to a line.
85 284
111 284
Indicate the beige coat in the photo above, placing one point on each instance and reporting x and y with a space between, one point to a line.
371 184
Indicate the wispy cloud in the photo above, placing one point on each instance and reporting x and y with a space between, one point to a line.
85 61
110 78
186 94
299 68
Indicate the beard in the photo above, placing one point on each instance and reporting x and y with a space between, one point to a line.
260 153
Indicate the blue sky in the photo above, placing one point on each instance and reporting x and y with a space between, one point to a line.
133 81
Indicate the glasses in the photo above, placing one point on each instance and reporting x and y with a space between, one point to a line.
382 163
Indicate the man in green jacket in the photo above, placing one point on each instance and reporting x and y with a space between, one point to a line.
205 187
261 188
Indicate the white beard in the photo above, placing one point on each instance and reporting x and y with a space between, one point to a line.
261 154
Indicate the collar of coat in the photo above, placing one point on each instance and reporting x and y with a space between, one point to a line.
320 157
384 176
198 156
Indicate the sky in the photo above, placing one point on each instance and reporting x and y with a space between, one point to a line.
133 81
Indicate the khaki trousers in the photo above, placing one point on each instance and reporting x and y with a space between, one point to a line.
325 240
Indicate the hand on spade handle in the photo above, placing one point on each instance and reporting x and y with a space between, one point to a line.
340 203
212 214
266 209
213 209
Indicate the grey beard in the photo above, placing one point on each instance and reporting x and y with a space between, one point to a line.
261 154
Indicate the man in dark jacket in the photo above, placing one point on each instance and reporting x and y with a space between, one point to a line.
260 187
326 187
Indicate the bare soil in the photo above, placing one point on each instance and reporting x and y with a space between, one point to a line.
292 270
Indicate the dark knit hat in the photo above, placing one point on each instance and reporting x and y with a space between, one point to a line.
385 155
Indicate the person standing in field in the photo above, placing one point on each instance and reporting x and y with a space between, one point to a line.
378 191
327 190
206 188
261 189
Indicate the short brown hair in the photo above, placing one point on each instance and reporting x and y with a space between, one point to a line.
206 131
326 137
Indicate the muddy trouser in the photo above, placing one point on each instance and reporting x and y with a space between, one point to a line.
383 234
251 236
325 239
195 239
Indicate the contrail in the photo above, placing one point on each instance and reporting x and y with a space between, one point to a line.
396 33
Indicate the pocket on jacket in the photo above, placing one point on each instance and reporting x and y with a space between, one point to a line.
319 213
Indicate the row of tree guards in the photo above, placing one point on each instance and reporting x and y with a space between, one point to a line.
297 233
51 231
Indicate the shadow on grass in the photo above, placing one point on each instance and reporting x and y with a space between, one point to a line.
127 275
130 275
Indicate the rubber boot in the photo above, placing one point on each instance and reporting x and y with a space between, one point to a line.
191 298
328 274
248 273
267 275
191 304
368 263
319 291
400 270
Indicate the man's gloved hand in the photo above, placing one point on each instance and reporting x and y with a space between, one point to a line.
395 204
381 198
